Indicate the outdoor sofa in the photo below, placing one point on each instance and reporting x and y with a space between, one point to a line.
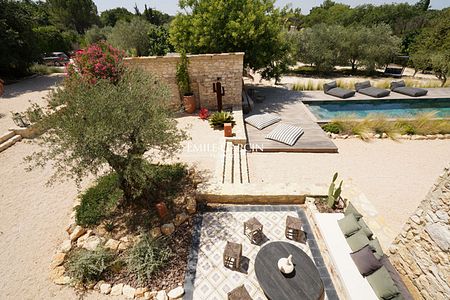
366 88
401 88
359 261
332 89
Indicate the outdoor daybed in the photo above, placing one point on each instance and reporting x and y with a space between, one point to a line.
401 88
332 89
363 268
365 88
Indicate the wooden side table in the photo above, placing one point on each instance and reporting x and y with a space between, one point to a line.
239 293
293 229
253 229
232 255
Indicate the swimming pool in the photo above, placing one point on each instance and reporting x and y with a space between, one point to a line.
392 108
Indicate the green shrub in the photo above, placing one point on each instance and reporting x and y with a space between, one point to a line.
332 127
164 180
86 266
98 201
146 257
217 119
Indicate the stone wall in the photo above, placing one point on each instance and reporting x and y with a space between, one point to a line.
421 253
204 69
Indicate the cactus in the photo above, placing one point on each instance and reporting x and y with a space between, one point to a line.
334 194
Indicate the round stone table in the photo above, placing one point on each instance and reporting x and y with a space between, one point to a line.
304 283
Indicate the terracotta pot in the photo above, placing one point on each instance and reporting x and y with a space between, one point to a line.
161 208
228 129
189 103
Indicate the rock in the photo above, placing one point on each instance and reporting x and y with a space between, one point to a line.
447 135
150 295
191 205
384 136
155 232
161 295
415 219
440 234
440 136
65 246
168 229
418 137
377 136
112 244
393 249
92 243
123 246
83 238
345 136
63 280
70 228
176 293
128 291
58 259
333 136
98 284
442 215
57 272
101 230
116 290
105 288
180 219
140 292
431 137
77 232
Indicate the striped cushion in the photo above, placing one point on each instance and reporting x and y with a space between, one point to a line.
286 134
262 121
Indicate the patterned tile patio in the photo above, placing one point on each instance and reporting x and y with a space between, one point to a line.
207 278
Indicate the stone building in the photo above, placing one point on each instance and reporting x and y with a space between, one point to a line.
204 70
421 253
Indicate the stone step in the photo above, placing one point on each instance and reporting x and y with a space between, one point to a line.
244 166
10 142
6 136
263 193
228 167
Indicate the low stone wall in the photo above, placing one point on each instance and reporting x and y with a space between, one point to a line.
421 253
204 69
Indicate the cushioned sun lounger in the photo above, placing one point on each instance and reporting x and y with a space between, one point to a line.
401 88
332 89
366 89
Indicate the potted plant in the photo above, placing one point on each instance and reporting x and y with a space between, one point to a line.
184 85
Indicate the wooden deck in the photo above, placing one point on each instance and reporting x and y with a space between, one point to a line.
287 104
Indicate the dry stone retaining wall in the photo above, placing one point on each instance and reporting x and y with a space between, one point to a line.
204 69
421 253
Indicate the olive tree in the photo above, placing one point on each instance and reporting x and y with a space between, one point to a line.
432 47
109 124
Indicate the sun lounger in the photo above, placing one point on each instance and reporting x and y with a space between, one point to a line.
366 89
332 89
401 88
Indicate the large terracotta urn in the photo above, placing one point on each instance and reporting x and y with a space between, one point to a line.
189 103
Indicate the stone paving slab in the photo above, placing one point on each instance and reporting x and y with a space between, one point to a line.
207 278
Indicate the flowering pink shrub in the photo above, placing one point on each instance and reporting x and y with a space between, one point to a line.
203 114
98 61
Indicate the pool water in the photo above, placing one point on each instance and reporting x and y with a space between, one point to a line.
401 108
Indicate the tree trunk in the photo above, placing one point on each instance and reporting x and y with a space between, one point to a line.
353 66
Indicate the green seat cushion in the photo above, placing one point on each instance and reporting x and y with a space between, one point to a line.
349 225
376 247
382 284
357 241
365 228
352 210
